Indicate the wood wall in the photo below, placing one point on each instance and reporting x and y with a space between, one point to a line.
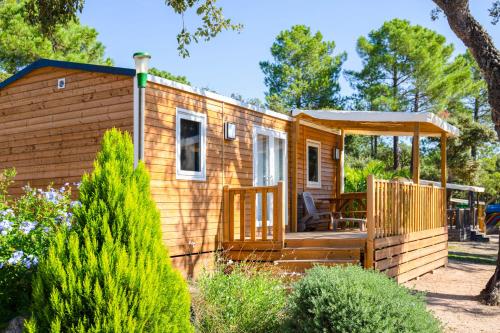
52 135
406 257
191 211
328 165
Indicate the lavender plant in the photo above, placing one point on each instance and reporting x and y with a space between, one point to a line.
27 225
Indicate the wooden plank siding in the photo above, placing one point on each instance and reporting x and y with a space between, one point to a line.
329 166
192 211
52 135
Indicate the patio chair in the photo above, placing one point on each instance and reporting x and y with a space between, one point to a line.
314 219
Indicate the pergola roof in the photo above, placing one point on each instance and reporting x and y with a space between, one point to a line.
380 123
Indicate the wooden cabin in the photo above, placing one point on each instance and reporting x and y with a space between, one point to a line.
226 175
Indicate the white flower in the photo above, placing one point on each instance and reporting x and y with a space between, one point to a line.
5 227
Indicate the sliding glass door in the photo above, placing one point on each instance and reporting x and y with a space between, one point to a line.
269 167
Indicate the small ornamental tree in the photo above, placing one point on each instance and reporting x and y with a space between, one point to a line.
111 272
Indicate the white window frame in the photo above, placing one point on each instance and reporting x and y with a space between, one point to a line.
202 119
316 144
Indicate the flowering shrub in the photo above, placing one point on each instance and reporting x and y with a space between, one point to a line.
27 224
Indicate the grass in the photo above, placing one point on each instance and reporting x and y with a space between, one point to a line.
472 258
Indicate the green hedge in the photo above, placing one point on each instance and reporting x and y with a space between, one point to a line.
355 300
245 300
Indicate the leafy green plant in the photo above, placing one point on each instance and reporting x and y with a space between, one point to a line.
111 271
355 179
245 300
27 225
350 299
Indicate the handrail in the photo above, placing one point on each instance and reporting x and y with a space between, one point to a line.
240 220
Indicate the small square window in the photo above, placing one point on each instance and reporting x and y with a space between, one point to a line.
313 154
190 145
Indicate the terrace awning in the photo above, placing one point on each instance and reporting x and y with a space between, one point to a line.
380 123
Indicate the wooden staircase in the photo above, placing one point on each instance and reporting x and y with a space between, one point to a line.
301 254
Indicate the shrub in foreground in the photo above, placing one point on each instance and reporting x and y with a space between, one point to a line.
27 225
351 299
111 272
245 300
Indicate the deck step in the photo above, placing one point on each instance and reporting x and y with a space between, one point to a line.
334 243
321 253
299 266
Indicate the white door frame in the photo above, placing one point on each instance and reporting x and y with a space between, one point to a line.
272 133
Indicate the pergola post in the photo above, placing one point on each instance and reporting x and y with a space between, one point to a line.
416 155
294 197
340 170
444 177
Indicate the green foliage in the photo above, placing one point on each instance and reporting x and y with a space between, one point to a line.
27 225
355 300
246 300
22 43
111 272
6 179
48 15
304 73
355 178
169 76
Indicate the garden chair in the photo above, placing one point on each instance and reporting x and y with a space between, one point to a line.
314 219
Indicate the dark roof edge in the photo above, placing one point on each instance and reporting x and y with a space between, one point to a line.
40 63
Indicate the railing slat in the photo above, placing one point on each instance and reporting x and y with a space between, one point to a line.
242 215
264 213
253 224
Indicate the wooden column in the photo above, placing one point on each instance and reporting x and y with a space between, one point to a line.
416 155
339 188
444 176
370 222
294 197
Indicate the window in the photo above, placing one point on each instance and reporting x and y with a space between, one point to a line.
313 151
190 128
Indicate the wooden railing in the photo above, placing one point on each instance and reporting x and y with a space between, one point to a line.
401 208
241 208
406 228
352 204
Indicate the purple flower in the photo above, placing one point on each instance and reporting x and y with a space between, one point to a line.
52 196
27 226
30 261
5 227
75 203
6 212
15 258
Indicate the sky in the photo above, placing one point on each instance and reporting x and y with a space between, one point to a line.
230 62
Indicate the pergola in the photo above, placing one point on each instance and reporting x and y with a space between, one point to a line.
421 124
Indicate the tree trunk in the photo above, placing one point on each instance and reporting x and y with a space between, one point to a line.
416 101
395 152
472 34
473 150
491 293
480 44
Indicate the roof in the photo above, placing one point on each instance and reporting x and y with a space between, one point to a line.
40 63
217 97
451 186
131 72
381 123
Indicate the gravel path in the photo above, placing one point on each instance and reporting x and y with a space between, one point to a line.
452 292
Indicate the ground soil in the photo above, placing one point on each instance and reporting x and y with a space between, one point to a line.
451 292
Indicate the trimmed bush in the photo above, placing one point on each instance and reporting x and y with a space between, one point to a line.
111 272
246 300
351 299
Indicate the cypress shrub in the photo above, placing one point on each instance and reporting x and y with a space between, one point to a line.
110 272
350 299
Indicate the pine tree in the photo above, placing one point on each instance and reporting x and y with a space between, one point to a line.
111 272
